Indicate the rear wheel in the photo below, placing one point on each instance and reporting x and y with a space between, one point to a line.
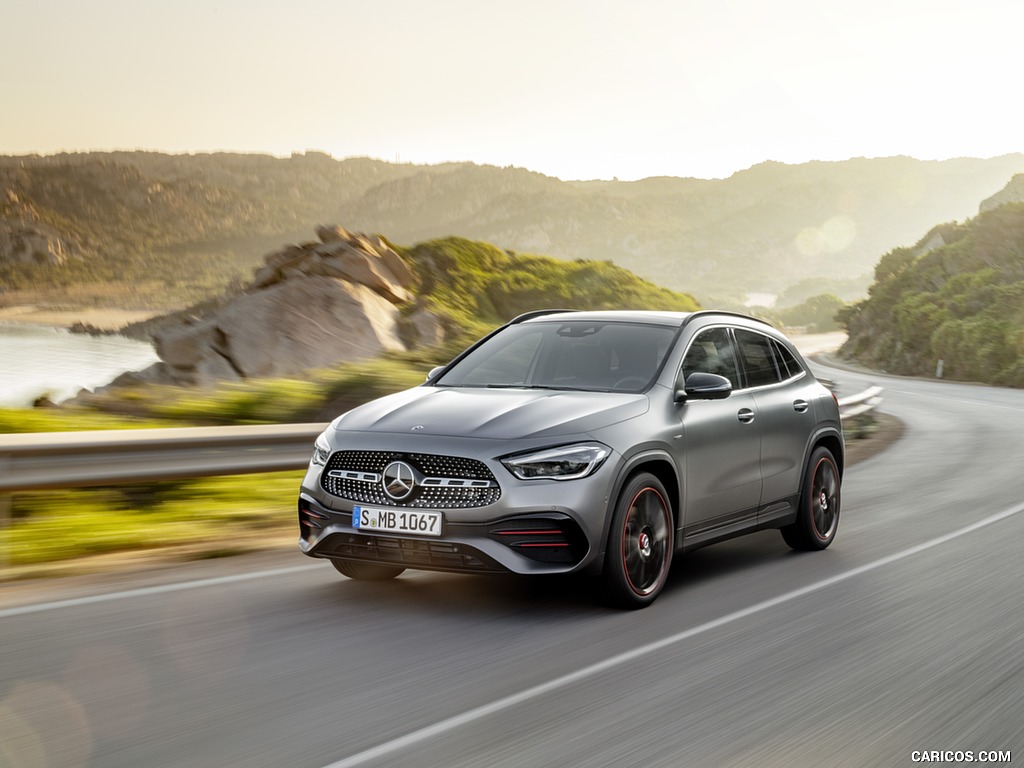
640 543
817 519
366 571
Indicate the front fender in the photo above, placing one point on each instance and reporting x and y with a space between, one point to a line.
658 462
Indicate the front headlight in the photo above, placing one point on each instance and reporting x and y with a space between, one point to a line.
321 451
568 462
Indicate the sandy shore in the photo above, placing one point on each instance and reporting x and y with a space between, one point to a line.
104 319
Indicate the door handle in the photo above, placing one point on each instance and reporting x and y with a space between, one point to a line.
745 415
800 406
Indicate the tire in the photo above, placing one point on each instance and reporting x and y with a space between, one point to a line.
640 543
366 571
817 518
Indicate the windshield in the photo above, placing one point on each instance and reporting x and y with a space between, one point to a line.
571 355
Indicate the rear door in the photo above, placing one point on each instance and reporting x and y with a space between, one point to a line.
784 393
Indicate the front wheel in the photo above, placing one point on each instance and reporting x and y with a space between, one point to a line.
640 543
817 519
366 571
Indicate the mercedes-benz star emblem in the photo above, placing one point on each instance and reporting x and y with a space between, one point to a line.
399 480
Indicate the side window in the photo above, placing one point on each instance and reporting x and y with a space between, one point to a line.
758 358
789 366
712 352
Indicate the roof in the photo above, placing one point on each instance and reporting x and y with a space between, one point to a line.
630 315
609 316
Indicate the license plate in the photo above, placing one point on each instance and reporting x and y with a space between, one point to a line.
397 521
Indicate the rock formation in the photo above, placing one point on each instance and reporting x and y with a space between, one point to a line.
308 306
25 239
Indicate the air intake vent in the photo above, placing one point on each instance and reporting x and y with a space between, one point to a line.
546 539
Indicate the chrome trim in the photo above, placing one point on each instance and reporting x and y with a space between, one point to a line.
429 482
456 482
351 474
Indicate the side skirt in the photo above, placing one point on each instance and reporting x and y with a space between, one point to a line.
774 515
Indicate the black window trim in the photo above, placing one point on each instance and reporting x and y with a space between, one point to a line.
741 371
732 340
779 364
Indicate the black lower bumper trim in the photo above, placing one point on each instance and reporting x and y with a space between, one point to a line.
411 553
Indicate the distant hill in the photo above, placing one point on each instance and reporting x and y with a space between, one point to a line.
956 296
1011 193
761 230
185 226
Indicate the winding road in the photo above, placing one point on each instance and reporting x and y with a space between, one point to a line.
907 635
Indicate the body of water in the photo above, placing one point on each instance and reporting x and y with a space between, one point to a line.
39 360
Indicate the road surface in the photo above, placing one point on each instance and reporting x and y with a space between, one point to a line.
905 636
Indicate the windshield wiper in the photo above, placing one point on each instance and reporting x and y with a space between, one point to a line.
533 386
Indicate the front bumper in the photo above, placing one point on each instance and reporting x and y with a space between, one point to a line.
535 527
540 542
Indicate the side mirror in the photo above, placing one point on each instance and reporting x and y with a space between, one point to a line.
434 371
704 386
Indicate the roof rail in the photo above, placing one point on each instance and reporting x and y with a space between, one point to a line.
536 313
702 312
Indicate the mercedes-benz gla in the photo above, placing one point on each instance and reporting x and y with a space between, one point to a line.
606 442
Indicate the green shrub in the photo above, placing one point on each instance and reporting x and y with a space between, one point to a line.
961 302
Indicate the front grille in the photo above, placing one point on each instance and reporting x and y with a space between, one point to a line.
442 482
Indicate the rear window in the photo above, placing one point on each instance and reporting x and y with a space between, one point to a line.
788 364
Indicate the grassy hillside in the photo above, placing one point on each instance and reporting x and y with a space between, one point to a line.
478 285
958 296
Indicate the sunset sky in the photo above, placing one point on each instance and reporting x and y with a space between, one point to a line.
572 89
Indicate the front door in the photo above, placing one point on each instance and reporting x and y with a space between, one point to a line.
722 443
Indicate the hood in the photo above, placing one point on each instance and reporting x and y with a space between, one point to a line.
496 414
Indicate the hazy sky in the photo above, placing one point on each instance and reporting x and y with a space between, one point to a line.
571 89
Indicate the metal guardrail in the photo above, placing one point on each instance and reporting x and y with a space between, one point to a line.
79 459
858 405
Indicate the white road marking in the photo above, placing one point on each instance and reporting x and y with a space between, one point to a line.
461 720
964 400
161 589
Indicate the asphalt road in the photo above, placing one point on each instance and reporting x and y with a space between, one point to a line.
906 635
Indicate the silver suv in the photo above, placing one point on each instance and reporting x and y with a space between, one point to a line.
598 442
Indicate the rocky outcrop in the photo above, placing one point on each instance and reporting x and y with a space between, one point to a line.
363 259
26 244
24 239
308 306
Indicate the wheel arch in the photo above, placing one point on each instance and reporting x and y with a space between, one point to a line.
802 534
827 439
834 443
659 464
